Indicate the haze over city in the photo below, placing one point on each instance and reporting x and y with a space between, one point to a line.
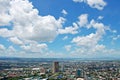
60 28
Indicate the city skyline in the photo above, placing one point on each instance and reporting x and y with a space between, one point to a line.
60 28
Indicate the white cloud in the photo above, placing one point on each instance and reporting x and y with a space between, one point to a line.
99 26
29 28
2 47
6 33
98 48
68 47
69 30
99 51
83 20
41 28
15 40
4 19
11 50
116 37
93 38
100 17
89 44
78 0
4 16
98 4
64 38
114 31
35 47
4 3
7 51
64 12
29 25
87 41
44 30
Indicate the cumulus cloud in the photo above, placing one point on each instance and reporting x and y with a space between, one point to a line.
98 4
116 37
69 30
2 47
34 47
15 40
4 3
4 19
64 38
4 32
87 41
83 20
64 12
11 50
29 25
4 15
90 43
98 48
100 17
29 30
99 51
92 38
68 47
113 31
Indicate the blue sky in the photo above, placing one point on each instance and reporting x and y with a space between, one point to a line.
60 28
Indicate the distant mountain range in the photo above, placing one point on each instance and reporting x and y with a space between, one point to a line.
54 59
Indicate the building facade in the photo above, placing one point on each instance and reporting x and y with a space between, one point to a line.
55 67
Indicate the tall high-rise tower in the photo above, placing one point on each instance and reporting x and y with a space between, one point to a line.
79 73
55 67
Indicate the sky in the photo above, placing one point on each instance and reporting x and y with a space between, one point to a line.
60 28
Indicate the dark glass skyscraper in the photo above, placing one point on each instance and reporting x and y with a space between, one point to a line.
55 67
